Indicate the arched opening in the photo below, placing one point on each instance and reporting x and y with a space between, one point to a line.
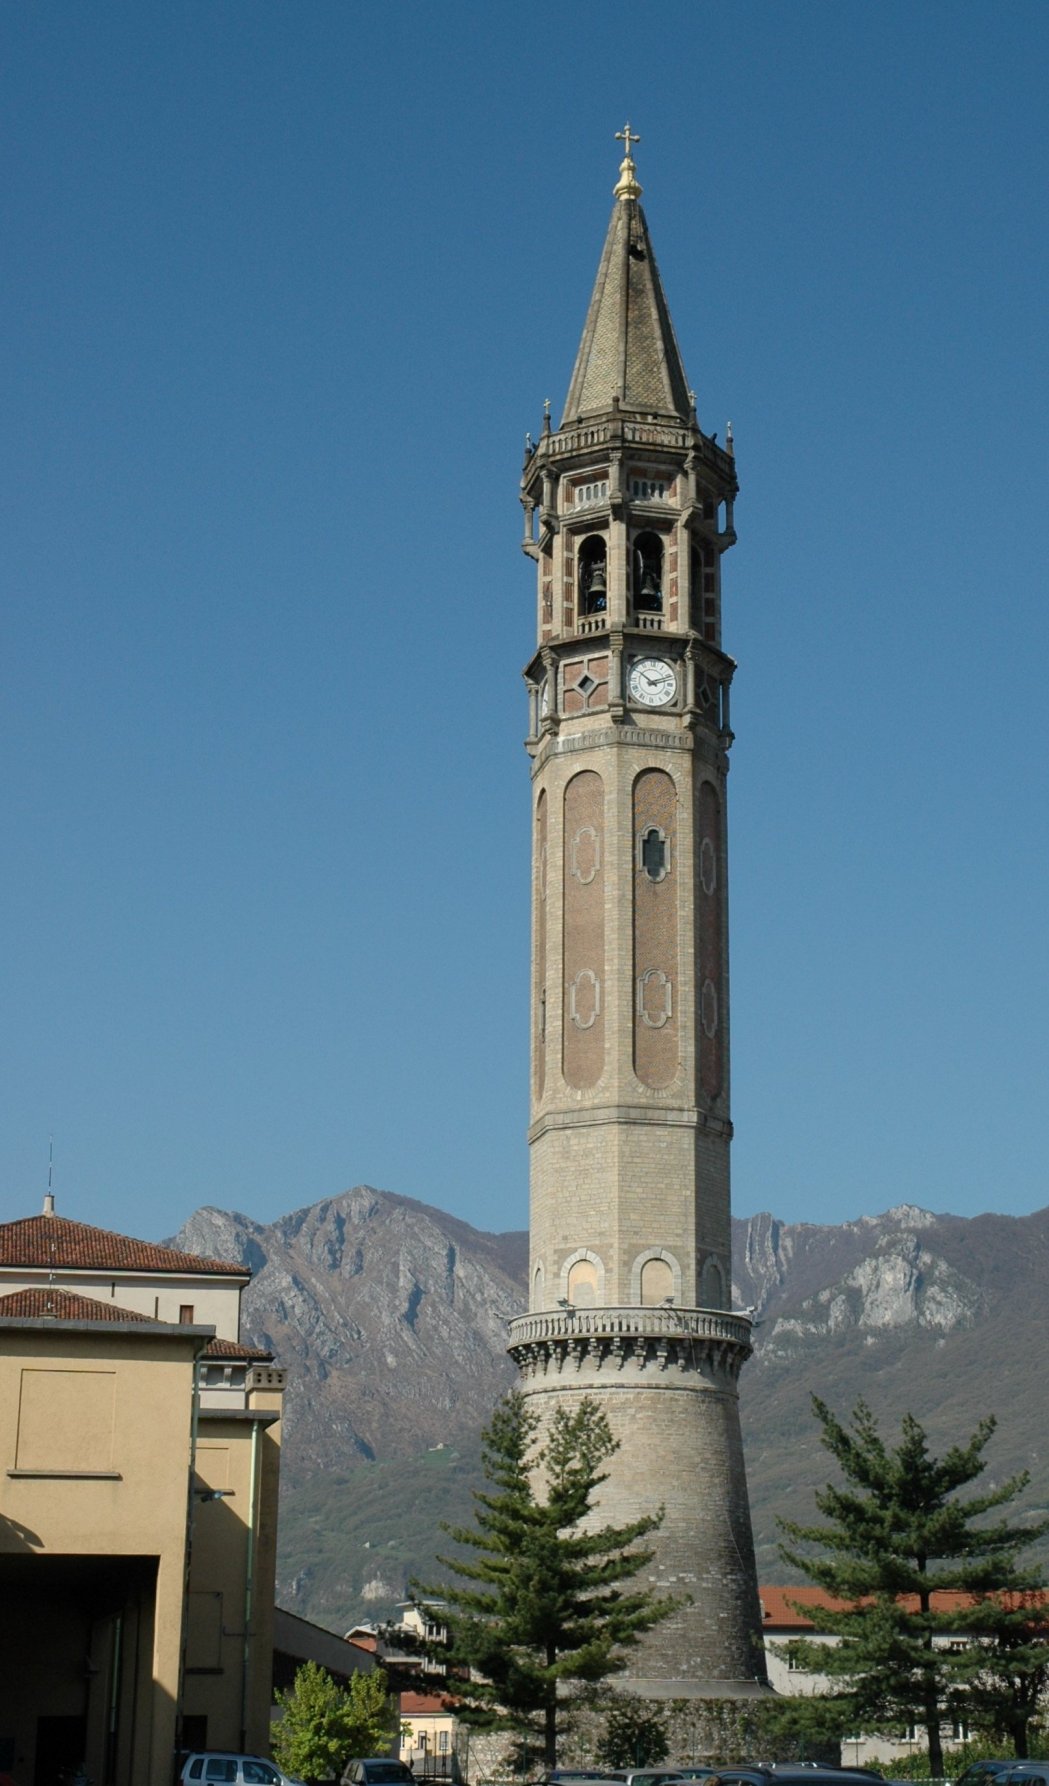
582 1284
657 1283
655 1276
712 1285
593 575
538 1288
648 574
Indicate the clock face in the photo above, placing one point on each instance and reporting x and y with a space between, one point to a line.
652 682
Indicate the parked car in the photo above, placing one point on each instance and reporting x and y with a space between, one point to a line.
223 1767
649 1776
376 1770
1022 1773
576 1776
978 1773
792 1773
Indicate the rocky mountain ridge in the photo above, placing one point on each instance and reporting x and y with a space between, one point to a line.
391 1318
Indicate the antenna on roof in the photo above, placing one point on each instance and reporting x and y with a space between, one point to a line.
49 1200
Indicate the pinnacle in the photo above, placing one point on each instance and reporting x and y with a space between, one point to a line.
628 357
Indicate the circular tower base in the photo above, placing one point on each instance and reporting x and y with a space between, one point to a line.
666 1380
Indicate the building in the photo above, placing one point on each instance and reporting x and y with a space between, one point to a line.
430 1736
297 1640
139 1462
788 1613
628 510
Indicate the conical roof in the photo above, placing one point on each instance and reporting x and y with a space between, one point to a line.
628 348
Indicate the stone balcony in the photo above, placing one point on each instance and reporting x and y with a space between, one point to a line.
590 1340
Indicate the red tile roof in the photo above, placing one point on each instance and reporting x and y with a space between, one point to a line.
425 1704
777 1610
66 1305
223 1348
62 1305
52 1241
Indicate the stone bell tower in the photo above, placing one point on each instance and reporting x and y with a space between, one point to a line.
628 511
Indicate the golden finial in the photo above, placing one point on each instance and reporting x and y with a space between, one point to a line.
627 185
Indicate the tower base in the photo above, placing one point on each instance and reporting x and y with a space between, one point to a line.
666 1379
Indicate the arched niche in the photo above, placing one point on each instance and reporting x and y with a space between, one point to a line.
538 1287
583 1279
654 1270
712 1285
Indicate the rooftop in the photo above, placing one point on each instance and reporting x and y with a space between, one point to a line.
63 1305
798 1609
53 1242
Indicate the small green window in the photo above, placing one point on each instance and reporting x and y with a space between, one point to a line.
654 853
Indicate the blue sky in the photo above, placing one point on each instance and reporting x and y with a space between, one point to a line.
287 283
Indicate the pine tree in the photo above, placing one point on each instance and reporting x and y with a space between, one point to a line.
1000 1679
324 1724
896 1535
543 1594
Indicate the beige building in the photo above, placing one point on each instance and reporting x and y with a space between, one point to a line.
139 1460
628 513
788 1613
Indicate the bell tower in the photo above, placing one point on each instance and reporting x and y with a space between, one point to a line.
628 513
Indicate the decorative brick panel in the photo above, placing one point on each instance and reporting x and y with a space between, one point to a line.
656 969
585 994
709 897
540 1013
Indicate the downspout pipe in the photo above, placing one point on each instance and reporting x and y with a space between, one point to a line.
249 1585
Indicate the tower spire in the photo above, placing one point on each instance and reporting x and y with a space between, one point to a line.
628 357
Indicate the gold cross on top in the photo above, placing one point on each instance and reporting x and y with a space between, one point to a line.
626 136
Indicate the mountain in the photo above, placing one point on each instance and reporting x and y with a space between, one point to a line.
389 1316
391 1319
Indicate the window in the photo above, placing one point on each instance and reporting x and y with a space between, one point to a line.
960 1729
593 575
185 1319
648 574
588 493
221 1767
442 1741
653 853
582 1284
647 490
657 1283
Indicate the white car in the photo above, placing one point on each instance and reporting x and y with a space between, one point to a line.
221 1767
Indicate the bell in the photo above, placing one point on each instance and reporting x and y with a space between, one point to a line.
649 586
596 590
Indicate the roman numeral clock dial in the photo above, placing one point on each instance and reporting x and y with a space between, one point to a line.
652 682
